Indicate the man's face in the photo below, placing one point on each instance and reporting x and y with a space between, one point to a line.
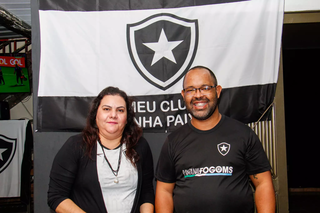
200 105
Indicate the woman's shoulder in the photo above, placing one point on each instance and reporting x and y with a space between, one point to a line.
77 138
142 144
70 151
74 142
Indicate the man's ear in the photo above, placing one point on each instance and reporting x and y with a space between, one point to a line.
218 89
182 93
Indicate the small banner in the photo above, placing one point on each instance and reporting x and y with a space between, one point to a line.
15 154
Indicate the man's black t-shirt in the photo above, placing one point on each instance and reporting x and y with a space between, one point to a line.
210 168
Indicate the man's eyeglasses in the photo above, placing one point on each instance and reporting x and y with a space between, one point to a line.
203 90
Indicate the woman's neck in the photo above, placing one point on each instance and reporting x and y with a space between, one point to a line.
110 143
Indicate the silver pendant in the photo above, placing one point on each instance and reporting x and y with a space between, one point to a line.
116 180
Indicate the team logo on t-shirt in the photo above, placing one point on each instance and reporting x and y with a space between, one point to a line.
224 148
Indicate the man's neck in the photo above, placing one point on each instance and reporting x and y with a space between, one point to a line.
208 123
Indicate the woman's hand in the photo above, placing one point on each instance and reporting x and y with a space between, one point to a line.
68 206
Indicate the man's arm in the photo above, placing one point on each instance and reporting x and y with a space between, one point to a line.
146 208
264 194
164 199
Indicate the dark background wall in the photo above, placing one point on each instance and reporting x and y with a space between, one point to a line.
301 65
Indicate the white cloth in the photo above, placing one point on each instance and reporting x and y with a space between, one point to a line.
118 197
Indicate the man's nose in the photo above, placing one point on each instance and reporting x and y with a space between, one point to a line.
198 93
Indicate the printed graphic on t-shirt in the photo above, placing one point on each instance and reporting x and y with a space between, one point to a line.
208 171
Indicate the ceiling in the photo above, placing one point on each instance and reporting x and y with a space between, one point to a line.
15 19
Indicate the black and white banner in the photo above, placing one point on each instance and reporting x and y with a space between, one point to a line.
146 47
12 147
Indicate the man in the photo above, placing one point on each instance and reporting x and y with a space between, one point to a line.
19 73
205 165
1 77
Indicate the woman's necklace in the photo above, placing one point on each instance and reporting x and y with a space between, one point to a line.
115 172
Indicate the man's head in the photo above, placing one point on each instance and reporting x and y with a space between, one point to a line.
201 92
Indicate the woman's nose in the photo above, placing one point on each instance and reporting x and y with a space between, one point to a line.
113 114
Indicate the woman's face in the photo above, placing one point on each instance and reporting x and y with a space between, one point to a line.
111 117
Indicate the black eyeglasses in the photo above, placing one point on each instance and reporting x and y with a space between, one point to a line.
203 90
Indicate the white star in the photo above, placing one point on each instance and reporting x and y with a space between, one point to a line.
163 48
223 148
2 151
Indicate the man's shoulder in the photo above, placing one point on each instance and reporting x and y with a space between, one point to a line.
181 129
231 122
238 128
180 133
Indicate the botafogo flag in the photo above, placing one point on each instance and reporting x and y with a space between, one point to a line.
146 47
15 159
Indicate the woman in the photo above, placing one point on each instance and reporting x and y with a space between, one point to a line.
107 168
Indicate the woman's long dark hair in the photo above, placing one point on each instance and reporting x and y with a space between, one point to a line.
131 134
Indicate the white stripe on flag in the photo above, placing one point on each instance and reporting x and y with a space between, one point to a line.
83 52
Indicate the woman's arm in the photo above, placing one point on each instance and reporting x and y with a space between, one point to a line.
63 174
146 200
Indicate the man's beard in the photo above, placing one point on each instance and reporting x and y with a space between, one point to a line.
209 111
